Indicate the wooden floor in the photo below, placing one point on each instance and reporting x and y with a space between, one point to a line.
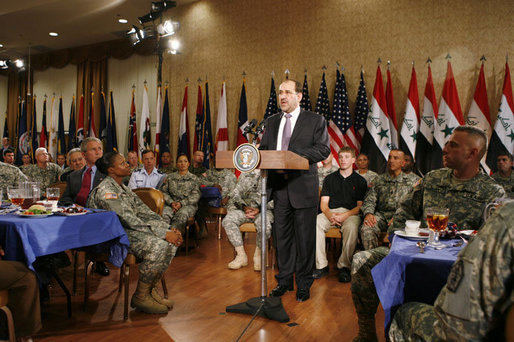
202 286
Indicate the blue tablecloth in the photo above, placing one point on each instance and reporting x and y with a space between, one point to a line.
24 239
406 275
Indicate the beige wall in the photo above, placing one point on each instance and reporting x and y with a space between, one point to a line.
222 38
122 74
3 102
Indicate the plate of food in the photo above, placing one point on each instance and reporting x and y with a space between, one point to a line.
72 211
35 211
422 234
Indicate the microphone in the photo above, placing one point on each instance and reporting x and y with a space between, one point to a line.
250 126
261 127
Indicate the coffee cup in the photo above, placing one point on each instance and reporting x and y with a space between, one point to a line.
412 227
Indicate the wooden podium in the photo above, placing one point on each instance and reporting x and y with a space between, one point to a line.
264 306
270 160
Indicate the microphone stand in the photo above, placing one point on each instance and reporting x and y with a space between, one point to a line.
263 306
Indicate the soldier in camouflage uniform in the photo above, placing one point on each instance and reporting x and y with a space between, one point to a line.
196 167
382 200
181 195
461 187
362 166
166 167
9 176
223 179
325 169
43 171
149 234
478 294
408 168
244 207
505 175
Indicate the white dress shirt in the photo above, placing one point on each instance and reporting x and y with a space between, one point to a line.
294 116
141 179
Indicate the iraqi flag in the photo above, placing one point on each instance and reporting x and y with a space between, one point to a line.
376 142
391 110
183 131
449 116
410 125
221 124
502 137
425 137
478 115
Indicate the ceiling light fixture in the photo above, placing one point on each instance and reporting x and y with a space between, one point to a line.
53 34
19 63
168 28
1 45
122 21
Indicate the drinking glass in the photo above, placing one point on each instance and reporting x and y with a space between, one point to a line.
437 220
52 194
15 195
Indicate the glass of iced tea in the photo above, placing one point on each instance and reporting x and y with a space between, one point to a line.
437 220
52 194
15 195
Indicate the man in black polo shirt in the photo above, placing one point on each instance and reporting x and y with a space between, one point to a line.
341 198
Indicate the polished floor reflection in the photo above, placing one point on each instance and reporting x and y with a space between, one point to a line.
202 286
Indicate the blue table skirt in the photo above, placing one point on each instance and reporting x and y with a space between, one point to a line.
406 275
24 239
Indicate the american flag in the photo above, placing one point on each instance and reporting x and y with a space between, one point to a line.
322 104
340 125
272 106
361 111
306 100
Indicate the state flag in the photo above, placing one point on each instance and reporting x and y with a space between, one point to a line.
61 137
80 123
23 144
43 135
197 145
132 132
145 138
222 127
72 127
158 119
91 131
33 135
54 123
207 132
103 120
183 130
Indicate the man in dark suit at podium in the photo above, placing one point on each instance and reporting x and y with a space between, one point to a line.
295 193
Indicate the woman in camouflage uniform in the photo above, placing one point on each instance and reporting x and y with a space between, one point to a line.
149 234
181 192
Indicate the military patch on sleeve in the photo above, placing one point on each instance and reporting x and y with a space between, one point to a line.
417 183
455 277
111 195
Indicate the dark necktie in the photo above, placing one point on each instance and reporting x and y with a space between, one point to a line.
286 134
84 188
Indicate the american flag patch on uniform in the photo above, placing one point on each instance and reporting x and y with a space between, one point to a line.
111 195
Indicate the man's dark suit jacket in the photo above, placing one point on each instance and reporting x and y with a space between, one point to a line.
309 140
74 181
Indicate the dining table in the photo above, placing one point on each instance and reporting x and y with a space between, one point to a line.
408 275
27 237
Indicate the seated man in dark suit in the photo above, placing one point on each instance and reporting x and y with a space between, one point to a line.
81 182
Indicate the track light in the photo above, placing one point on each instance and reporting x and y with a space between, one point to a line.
19 63
168 28
3 64
173 46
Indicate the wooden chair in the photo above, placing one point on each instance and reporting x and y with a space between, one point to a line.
154 199
4 296
191 223
61 186
219 214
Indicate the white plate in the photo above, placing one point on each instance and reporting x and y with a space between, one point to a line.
34 216
403 234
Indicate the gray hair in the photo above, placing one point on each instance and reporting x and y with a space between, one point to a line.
73 150
476 133
83 144
41 150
